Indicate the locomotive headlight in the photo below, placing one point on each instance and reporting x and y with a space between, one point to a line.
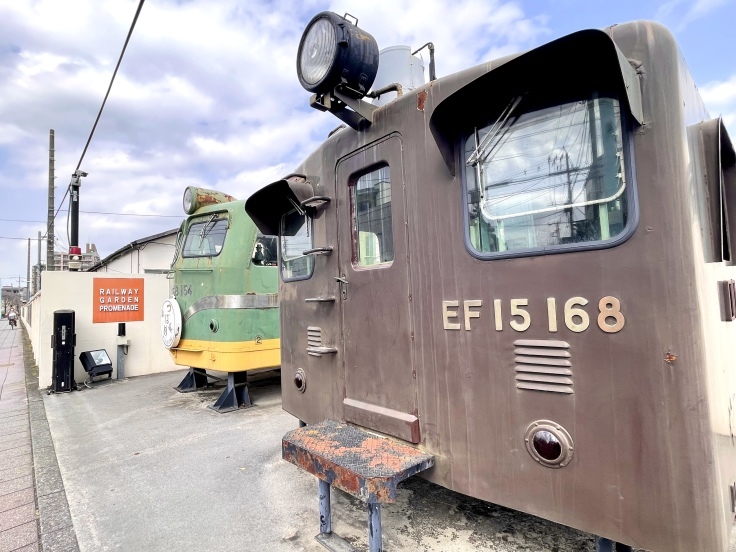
188 201
335 51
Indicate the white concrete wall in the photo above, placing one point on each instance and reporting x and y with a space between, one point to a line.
73 290
30 313
35 332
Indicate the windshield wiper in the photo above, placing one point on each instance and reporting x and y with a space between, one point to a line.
205 230
480 154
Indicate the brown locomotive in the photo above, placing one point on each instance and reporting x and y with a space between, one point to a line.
526 270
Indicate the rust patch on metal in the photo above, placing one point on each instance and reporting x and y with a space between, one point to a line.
421 100
211 197
669 358
354 460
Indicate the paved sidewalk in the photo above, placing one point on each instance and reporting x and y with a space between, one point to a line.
19 527
34 513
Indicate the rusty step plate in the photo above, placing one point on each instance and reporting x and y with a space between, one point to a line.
353 460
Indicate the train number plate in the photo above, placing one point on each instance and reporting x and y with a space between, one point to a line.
514 314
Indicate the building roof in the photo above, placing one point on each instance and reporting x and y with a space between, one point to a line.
130 247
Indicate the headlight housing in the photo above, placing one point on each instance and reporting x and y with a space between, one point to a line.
334 51
194 198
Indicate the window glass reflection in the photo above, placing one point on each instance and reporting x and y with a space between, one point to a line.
548 177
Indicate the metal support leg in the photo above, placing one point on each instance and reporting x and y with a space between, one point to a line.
603 545
235 394
325 513
622 547
195 379
375 538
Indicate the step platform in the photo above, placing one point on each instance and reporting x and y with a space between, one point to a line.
360 463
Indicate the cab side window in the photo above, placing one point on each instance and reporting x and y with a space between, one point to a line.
264 251
296 238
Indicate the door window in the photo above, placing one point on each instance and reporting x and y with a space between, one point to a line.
371 207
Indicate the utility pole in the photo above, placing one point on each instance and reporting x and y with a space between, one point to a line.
50 223
28 272
569 193
75 252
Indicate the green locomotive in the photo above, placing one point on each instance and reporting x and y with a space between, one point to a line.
223 314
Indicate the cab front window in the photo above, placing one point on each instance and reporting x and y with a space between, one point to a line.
545 179
205 237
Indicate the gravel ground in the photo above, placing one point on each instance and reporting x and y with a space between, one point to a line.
428 518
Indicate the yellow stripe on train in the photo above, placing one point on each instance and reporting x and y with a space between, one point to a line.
234 356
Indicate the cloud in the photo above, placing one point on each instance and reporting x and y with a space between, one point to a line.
720 93
680 13
720 98
206 95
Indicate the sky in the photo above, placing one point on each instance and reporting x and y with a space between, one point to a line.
207 94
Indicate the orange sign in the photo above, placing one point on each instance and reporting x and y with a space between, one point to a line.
117 300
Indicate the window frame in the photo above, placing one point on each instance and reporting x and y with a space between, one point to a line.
627 141
206 216
354 236
310 223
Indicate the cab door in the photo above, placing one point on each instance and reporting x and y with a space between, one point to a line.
380 384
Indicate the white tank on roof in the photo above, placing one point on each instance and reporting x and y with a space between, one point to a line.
396 64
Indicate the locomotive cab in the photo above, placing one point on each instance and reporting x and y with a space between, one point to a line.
223 314
526 270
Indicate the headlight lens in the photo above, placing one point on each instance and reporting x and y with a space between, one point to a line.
187 201
335 52
547 445
318 51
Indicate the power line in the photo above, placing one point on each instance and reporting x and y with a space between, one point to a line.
131 214
99 213
120 59
104 101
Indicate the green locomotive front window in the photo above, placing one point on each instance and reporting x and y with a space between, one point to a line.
296 238
371 198
205 238
547 178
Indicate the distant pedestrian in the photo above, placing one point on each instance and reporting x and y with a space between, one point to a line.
12 318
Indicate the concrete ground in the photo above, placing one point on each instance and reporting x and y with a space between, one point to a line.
147 468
